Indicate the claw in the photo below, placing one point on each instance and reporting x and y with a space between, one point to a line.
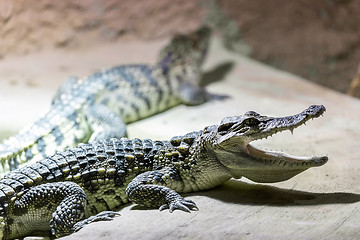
163 207
102 216
216 97
106 216
181 204
178 206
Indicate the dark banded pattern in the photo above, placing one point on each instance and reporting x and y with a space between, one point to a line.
129 92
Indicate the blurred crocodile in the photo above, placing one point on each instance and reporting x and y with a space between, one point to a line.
99 106
61 194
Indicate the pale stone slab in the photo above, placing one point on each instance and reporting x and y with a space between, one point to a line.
321 203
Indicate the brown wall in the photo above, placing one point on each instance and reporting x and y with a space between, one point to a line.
30 25
319 40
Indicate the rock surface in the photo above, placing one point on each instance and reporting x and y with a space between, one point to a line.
318 40
321 203
67 24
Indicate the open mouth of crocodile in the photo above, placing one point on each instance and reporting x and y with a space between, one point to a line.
276 125
261 165
242 159
283 158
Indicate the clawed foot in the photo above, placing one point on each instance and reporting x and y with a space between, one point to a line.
181 204
103 216
217 97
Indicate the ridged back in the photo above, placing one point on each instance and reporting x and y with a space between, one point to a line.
110 164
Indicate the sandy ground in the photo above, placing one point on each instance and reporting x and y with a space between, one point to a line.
321 203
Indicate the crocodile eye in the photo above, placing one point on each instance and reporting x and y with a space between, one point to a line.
251 121
225 127
251 114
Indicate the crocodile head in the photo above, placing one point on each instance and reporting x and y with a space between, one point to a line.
232 139
185 50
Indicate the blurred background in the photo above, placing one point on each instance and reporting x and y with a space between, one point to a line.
318 40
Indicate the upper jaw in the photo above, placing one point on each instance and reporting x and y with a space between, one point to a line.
270 126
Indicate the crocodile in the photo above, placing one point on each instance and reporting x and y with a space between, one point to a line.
100 105
71 189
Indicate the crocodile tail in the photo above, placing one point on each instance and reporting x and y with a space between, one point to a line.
44 137
11 159
12 153
185 50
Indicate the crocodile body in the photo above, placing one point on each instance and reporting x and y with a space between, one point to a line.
63 193
99 106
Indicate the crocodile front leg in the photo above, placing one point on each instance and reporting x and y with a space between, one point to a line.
155 189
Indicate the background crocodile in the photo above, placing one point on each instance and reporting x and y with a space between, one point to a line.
99 106
61 194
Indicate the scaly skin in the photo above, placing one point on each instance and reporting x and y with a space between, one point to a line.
63 193
99 106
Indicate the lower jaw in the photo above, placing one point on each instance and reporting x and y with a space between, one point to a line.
276 156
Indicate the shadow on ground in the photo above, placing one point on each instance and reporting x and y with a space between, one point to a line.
242 193
217 74
257 194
